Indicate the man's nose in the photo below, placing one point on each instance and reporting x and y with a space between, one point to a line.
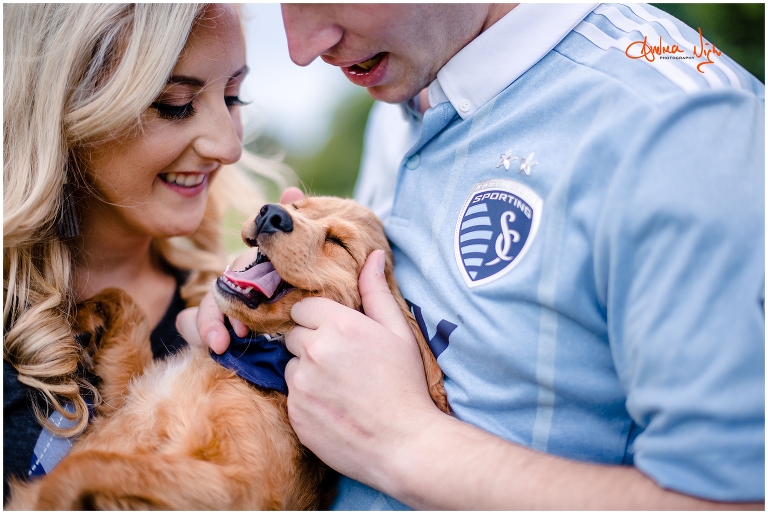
310 31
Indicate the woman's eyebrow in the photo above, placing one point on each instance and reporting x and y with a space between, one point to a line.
185 80
194 81
242 71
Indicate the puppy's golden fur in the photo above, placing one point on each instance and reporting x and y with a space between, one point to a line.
187 433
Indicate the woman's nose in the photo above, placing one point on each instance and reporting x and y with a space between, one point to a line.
221 139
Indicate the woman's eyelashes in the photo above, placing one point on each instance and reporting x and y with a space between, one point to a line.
234 101
174 112
169 111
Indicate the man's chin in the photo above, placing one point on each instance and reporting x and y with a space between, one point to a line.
392 94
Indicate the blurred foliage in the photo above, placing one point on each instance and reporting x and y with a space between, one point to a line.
333 170
232 227
736 29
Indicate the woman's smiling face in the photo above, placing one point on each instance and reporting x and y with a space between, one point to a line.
156 181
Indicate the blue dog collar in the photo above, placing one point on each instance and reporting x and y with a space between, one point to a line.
259 359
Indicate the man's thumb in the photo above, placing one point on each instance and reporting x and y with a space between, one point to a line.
378 302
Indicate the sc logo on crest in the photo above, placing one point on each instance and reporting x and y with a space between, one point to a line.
495 228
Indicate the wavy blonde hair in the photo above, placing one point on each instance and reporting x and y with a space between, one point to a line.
74 74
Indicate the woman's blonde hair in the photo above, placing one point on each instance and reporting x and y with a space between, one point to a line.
75 74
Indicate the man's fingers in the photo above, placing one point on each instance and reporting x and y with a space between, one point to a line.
378 302
312 312
296 338
239 263
291 194
240 328
210 325
290 369
186 325
244 259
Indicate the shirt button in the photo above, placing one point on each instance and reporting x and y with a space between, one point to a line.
413 162
464 106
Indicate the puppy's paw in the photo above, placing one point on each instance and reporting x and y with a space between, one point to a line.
104 310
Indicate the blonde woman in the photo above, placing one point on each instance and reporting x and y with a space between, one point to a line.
118 122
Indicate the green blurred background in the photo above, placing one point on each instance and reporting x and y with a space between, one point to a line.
736 29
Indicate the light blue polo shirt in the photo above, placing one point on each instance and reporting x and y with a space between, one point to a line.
582 239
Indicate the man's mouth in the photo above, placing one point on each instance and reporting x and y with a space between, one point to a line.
366 66
258 283
183 179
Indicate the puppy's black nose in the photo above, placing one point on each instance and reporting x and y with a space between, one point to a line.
273 218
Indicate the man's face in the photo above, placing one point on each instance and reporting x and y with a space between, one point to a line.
393 50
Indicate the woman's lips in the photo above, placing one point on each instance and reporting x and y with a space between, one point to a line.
368 73
185 184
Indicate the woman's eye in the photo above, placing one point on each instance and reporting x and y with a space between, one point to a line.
234 101
174 112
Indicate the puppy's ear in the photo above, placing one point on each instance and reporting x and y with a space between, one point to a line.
431 369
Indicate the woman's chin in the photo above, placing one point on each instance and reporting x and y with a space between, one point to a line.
180 225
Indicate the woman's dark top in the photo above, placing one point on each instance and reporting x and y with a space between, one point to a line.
20 427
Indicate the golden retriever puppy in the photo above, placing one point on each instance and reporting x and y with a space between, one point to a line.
188 433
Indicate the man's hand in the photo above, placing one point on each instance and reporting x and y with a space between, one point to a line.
205 324
356 390
357 398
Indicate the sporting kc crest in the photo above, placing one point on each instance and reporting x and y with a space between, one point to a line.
495 228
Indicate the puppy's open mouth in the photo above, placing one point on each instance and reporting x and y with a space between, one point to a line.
258 283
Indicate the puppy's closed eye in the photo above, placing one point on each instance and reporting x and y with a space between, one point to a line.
330 237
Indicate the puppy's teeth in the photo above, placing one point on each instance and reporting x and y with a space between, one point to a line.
248 290
227 268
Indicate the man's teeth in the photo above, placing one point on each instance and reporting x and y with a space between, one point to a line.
370 63
243 290
184 179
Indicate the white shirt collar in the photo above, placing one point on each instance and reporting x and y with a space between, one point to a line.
497 57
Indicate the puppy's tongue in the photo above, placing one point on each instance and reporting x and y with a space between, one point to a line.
261 276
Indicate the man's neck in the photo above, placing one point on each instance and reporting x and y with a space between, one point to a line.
495 13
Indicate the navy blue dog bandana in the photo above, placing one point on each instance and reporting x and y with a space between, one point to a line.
259 359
